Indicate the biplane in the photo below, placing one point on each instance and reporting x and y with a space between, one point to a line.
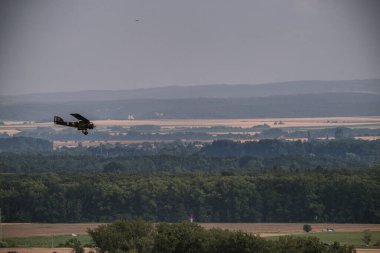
82 124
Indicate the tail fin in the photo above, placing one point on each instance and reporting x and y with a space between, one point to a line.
58 120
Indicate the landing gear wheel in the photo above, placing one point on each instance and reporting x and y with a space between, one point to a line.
85 132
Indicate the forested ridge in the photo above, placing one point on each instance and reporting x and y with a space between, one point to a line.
278 106
271 196
265 181
177 157
31 163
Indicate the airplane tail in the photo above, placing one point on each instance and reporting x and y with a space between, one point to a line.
58 120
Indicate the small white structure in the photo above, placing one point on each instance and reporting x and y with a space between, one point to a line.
191 218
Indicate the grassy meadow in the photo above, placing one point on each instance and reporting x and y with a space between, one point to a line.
349 238
44 241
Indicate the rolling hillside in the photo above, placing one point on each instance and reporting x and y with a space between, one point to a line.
303 105
206 91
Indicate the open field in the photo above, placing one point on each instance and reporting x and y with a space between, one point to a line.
290 228
42 250
246 123
36 250
292 124
349 238
367 121
47 229
367 138
45 241
42 234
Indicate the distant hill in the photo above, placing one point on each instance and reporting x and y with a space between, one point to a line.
205 91
299 105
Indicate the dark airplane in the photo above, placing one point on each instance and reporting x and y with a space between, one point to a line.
83 124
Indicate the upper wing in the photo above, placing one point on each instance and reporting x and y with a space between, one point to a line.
80 117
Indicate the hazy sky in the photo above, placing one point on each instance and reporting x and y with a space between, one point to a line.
68 45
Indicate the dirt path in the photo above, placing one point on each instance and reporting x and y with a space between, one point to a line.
41 250
36 250
47 229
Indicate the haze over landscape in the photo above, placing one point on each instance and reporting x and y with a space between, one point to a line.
288 99
189 126
53 46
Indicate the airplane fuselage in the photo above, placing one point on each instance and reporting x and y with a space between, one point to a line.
80 125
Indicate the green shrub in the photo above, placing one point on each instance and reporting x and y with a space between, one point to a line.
307 228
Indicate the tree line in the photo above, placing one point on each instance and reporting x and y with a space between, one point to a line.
343 148
155 133
24 145
268 196
60 163
141 237
268 181
364 150
28 155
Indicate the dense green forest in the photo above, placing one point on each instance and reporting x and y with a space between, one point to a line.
270 196
268 181
142 237
24 145
28 155
45 163
366 150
